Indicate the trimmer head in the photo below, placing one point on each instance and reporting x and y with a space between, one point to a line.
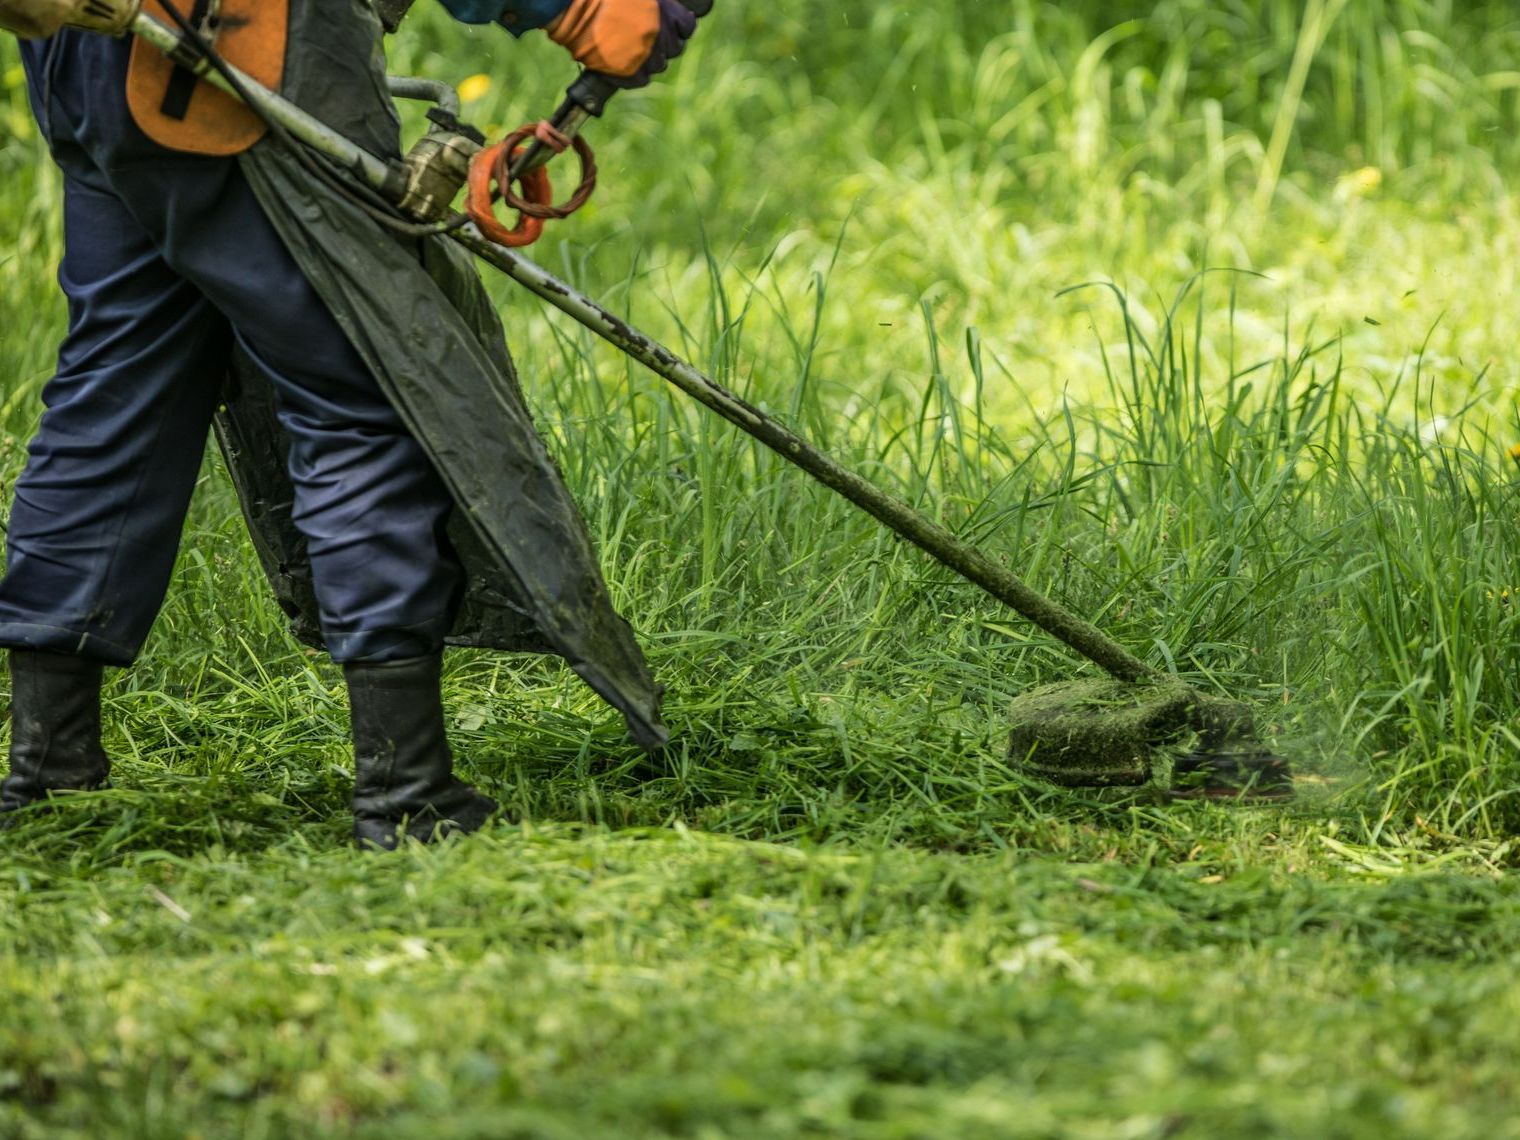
1104 733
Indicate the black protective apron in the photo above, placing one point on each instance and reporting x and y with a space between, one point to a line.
419 316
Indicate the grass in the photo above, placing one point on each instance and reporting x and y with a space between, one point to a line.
563 982
1268 450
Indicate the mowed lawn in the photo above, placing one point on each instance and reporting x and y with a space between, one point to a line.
1200 316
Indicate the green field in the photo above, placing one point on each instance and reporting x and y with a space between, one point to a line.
1202 315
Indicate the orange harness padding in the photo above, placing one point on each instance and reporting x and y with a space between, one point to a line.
178 111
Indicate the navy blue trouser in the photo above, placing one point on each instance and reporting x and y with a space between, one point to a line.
169 263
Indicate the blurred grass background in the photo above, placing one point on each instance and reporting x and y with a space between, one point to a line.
982 157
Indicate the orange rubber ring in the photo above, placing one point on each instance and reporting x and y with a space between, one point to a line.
485 193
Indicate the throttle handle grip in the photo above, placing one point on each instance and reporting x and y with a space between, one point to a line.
591 91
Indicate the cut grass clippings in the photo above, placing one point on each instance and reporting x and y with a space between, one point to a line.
549 982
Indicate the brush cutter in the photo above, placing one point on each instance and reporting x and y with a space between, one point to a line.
1093 733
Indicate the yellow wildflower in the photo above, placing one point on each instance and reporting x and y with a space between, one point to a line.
475 87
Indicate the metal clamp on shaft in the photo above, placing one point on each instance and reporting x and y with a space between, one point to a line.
438 165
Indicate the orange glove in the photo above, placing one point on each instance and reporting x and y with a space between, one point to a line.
629 39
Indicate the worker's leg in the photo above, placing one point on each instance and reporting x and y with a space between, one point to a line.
98 510
374 511
367 498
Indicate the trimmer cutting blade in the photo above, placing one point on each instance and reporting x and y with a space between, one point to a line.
1103 733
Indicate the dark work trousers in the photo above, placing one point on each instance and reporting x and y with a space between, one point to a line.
169 262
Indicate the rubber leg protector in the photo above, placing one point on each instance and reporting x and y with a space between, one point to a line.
55 728
404 783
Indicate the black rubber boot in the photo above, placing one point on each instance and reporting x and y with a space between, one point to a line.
404 781
55 728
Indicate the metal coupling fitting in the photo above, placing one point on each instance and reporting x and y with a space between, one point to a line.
437 168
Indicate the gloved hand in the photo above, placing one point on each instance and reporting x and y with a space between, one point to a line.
630 40
33 18
38 18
